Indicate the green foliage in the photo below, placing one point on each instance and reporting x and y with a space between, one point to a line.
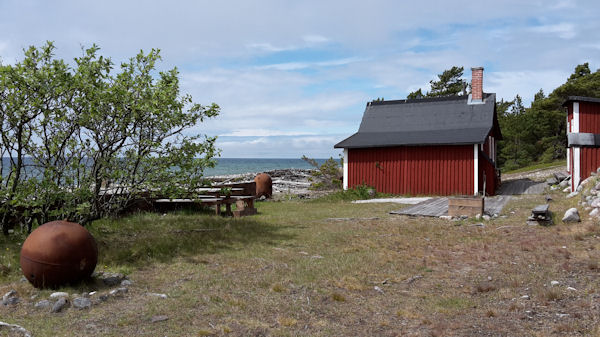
538 133
449 83
359 192
325 176
83 142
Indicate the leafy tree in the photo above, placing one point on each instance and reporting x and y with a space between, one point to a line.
415 94
82 142
580 71
325 176
449 83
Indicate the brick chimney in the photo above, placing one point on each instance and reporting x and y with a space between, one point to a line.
477 84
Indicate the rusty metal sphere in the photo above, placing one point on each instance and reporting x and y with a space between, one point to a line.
264 185
57 253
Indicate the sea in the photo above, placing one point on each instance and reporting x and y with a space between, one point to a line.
226 166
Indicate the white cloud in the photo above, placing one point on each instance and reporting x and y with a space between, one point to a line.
269 47
303 65
563 30
315 39
525 83
263 132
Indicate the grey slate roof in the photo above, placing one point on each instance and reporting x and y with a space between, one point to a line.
430 121
581 99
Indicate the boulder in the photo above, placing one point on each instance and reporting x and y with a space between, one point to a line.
595 202
551 181
572 194
571 215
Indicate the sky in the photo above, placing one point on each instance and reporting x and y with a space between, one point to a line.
292 78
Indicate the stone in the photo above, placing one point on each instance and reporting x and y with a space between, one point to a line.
552 181
597 187
595 212
571 215
525 297
125 283
102 297
566 189
554 283
159 318
59 305
119 292
112 279
445 217
43 304
158 295
377 289
58 294
595 202
486 217
82 303
560 176
564 184
571 289
572 194
10 298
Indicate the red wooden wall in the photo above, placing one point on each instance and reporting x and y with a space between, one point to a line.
589 122
413 170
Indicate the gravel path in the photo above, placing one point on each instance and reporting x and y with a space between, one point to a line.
537 175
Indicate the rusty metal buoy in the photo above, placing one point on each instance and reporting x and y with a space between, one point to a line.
57 253
264 185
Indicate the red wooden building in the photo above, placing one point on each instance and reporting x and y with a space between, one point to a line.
583 133
430 146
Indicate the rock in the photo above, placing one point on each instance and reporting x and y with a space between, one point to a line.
564 184
597 187
58 294
525 297
158 295
480 224
125 283
119 292
571 289
486 217
595 212
553 188
554 283
59 305
572 194
552 181
571 215
595 202
112 279
414 278
82 303
585 181
377 289
159 318
43 304
10 298
567 190
445 217
102 297
560 176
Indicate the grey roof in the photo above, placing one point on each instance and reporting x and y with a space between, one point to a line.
430 121
581 99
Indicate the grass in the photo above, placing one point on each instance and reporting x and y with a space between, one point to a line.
310 268
537 166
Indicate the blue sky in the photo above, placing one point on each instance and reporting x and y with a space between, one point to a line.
293 77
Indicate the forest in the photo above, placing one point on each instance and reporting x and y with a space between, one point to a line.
534 134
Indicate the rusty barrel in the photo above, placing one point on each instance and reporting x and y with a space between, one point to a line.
57 253
264 185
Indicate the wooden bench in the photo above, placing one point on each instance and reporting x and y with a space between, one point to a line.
240 194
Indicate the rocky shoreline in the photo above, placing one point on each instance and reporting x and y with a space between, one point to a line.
290 182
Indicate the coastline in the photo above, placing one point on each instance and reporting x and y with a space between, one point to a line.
289 181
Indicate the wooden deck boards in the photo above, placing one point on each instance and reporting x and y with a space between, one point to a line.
437 207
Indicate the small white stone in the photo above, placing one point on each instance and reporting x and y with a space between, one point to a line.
59 294
554 283
525 297
158 295
378 289
489 278
571 289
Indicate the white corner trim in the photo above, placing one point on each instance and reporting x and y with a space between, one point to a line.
575 125
345 169
576 174
475 169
